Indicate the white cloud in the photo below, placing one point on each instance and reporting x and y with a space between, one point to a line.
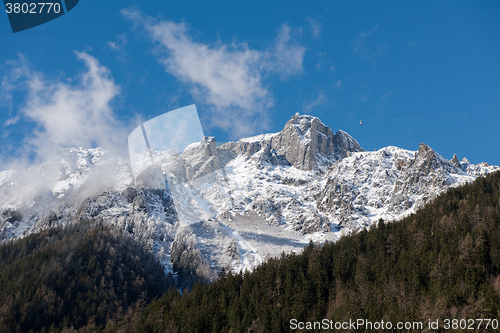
228 78
118 48
315 28
66 114
13 71
11 121
307 106
286 57
367 33
366 48
360 42
113 45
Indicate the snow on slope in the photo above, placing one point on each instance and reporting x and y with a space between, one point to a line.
275 193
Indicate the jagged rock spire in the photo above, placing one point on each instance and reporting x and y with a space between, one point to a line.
307 143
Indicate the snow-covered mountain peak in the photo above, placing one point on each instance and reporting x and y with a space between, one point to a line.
305 123
79 158
263 195
427 160
345 144
305 142
455 161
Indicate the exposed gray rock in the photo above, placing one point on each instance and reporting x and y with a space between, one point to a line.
305 142
12 215
427 160
304 180
232 249
130 193
200 159
455 161
344 144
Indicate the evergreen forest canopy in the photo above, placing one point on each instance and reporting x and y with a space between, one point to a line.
441 263
83 275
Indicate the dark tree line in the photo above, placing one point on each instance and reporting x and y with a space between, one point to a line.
81 276
442 262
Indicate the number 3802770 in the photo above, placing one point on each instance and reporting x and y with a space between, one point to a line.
32 8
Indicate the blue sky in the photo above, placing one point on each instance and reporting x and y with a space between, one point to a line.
388 73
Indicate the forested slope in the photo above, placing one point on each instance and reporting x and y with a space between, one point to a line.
441 263
83 275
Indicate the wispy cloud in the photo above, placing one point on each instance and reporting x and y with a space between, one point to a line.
11 121
12 71
285 56
388 94
315 28
118 47
367 33
366 49
228 78
65 113
119 43
308 105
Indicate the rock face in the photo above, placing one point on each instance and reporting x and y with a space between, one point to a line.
305 142
389 184
344 144
427 160
274 193
302 140
200 159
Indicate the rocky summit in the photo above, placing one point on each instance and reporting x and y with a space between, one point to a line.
232 205
305 143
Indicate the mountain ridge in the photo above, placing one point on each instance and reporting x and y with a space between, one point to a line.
276 192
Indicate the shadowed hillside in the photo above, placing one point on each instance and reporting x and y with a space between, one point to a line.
83 275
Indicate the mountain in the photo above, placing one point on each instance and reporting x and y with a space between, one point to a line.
233 205
417 275
305 143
